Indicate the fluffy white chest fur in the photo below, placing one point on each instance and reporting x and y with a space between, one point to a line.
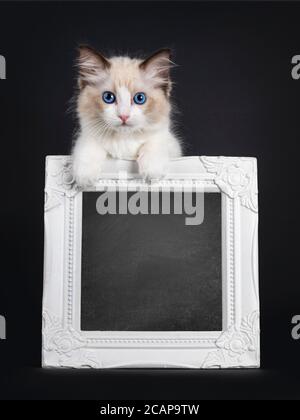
124 113
124 146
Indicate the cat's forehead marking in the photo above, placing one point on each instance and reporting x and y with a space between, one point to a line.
125 72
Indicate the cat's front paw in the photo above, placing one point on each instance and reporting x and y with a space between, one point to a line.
152 167
86 174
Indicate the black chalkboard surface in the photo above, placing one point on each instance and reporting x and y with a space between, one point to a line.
151 272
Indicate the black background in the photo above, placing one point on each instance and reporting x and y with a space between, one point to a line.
236 97
150 272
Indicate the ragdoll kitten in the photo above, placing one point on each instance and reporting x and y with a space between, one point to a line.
124 112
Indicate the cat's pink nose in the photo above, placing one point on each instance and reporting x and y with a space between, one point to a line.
124 118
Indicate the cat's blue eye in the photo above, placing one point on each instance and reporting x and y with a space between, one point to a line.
140 98
108 97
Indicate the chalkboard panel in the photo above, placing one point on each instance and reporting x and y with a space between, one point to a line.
151 272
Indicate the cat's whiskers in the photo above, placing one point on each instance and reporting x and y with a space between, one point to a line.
97 128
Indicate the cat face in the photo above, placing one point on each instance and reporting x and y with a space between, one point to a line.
121 94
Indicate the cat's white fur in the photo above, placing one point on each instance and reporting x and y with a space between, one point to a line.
146 136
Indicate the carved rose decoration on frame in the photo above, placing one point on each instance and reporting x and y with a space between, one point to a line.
60 182
63 174
65 341
236 344
236 177
66 344
66 178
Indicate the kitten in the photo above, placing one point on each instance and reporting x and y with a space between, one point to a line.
124 109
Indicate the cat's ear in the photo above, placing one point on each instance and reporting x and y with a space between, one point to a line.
157 67
92 66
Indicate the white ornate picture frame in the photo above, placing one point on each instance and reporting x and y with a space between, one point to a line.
236 346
